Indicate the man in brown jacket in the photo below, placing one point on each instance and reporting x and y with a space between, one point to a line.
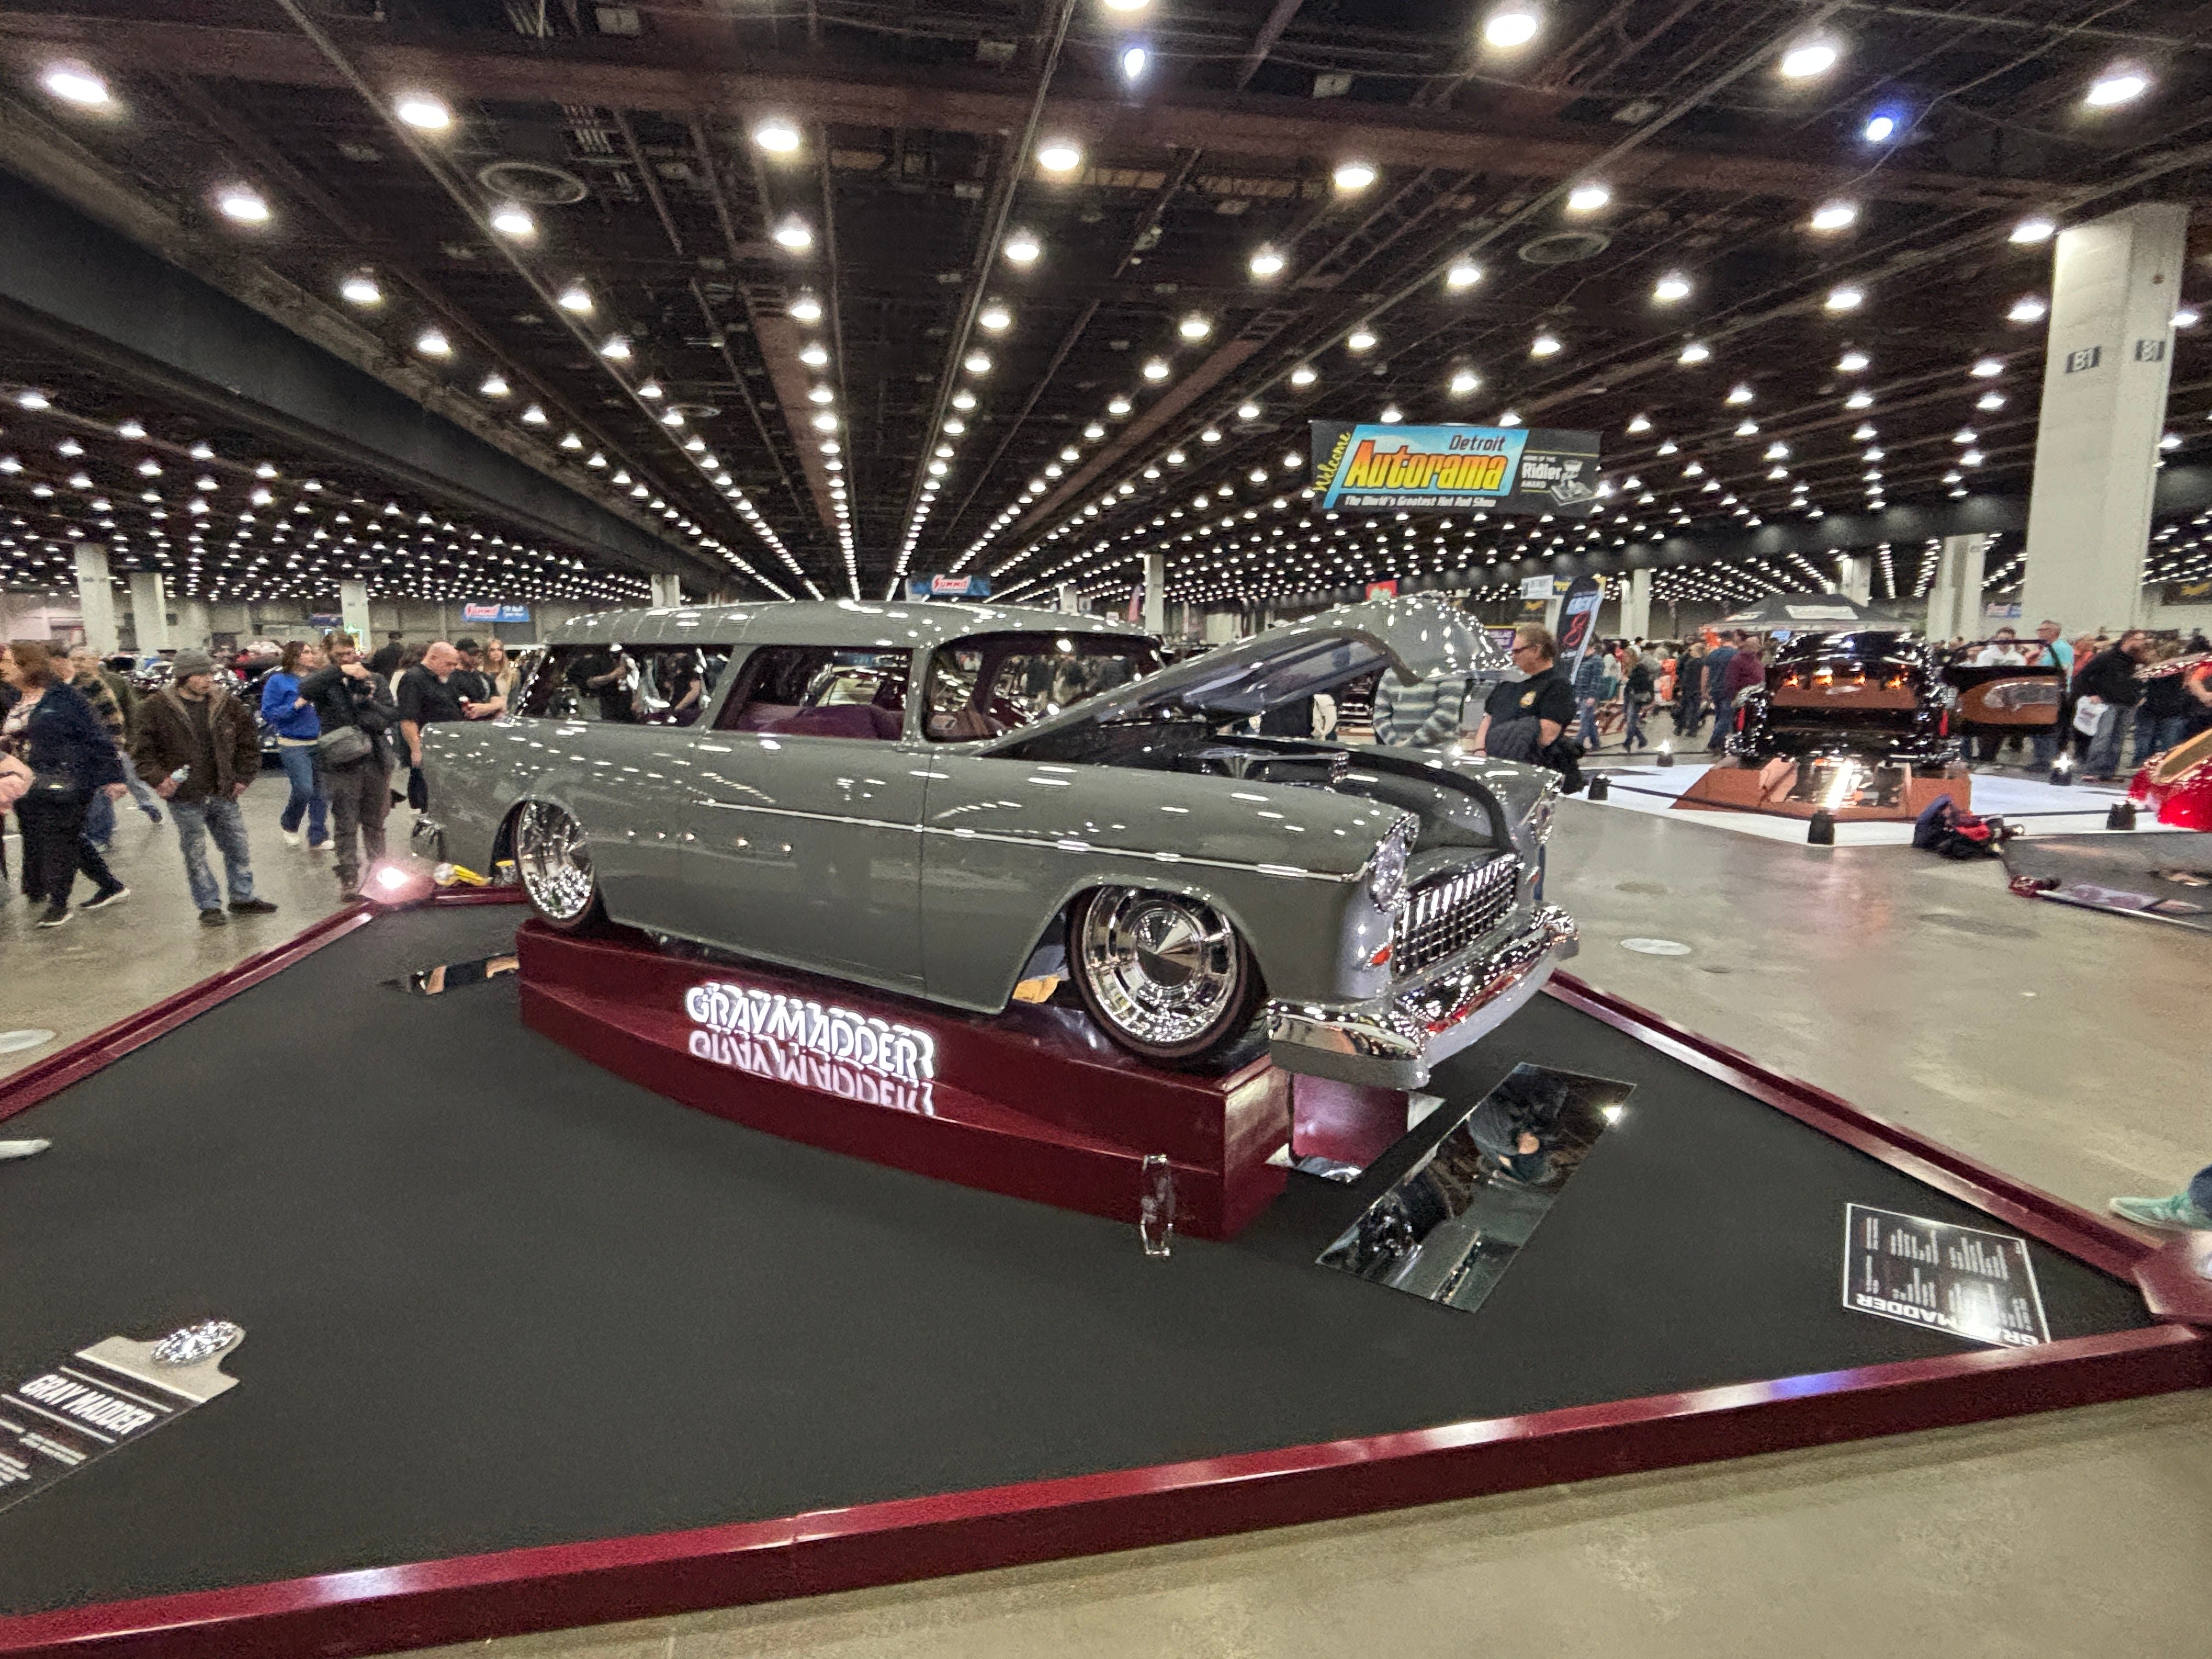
203 748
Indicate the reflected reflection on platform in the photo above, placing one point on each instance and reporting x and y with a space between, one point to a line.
452 975
1452 1224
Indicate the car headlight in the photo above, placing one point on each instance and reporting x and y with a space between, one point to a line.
1385 870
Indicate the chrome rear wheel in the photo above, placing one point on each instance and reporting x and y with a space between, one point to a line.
552 855
1165 974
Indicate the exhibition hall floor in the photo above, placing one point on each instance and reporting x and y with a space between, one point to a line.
2055 1044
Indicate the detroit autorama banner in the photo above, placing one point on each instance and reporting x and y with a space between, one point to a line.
1442 469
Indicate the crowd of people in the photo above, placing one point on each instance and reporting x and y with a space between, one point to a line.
78 737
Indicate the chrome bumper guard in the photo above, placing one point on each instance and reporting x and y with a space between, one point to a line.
1392 1041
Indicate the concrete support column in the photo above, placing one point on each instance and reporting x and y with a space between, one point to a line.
667 592
195 625
95 598
1156 593
1070 600
1854 576
150 611
1954 603
1636 606
353 612
2115 283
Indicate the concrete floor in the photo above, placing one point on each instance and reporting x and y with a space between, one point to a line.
2064 1047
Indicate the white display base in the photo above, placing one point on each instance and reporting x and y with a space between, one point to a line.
2042 808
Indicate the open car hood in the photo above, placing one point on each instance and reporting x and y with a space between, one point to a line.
1417 637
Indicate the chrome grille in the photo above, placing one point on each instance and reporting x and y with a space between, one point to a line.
1446 914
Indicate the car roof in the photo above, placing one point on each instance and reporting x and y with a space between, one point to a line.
908 624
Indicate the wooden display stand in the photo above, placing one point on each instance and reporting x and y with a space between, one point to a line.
1730 786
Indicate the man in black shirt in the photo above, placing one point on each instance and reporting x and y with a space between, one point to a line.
428 693
479 697
2109 677
1523 719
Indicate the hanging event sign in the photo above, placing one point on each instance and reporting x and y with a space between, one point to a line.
474 611
948 587
61 1417
1510 469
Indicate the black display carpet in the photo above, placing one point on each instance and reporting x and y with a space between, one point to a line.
2162 874
494 1296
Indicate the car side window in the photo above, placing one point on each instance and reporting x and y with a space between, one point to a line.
673 684
821 691
584 683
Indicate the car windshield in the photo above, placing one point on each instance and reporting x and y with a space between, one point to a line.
995 683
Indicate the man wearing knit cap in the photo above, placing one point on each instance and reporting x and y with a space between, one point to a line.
203 748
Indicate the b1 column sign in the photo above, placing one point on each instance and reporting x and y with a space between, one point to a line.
58 1419
1455 469
1971 1284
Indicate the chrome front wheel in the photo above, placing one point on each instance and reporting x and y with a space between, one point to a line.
552 854
1165 975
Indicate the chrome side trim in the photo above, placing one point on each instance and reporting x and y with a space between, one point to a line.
1289 873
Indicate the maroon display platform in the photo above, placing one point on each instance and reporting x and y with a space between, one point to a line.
1031 1102
425 1603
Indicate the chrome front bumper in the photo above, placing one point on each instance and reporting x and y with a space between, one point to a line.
1392 1041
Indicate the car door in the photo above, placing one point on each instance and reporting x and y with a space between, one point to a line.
807 799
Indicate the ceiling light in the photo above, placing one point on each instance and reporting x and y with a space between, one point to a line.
1509 418
1544 345
422 110
963 400
1465 381
1194 327
650 389
512 219
570 440
794 235
1353 175
1639 423
1303 376
1135 60
1511 25
1845 298
1852 363
73 83
1463 274
1588 198
1266 263
1739 393
1802 62
2185 317
577 298
362 289
1670 287
495 386
1880 128
1059 155
1987 367
996 318
976 362
1859 400
1360 339
533 416
1022 247
1990 400
244 205
2119 86
130 429
822 394
815 356
1834 216
776 136
1696 352
1393 414
2034 228
431 344
2028 308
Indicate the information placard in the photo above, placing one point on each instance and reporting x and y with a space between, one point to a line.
1971 1284
1455 469
61 1416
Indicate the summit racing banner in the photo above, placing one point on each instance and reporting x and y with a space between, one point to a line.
1452 468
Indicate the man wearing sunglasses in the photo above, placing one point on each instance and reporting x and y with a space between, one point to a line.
1523 718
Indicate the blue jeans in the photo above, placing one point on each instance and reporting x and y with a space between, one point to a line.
100 819
2155 734
308 796
1586 733
2103 759
2045 745
141 791
218 816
